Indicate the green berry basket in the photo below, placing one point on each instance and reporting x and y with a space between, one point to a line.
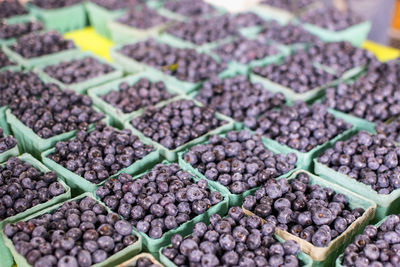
117 116
387 204
132 262
114 260
32 62
153 245
60 18
132 66
79 184
304 259
359 123
81 87
5 254
99 17
234 199
355 34
268 12
122 33
339 259
305 159
290 94
16 20
172 155
29 141
326 256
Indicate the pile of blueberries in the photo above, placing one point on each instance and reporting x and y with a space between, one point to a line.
10 8
189 8
78 70
299 126
48 111
16 30
373 97
6 142
183 64
177 123
22 187
53 4
290 5
370 159
314 213
236 240
238 161
238 98
79 233
249 19
340 56
142 18
391 130
200 31
17 83
375 246
286 34
160 200
331 18
245 51
297 72
4 60
143 93
96 155
40 44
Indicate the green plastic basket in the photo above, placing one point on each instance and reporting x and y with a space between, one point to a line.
122 33
114 260
29 141
291 95
305 260
172 155
268 12
234 199
387 204
355 34
81 87
79 184
326 256
359 123
153 245
339 259
16 20
132 66
32 62
61 19
5 254
305 159
99 16
132 262
118 117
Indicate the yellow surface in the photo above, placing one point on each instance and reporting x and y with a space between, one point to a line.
88 40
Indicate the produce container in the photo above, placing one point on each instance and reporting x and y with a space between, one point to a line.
355 34
79 184
269 12
32 62
29 141
61 19
5 254
339 259
172 155
305 260
326 256
81 87
132 262
153 245
234 199
118 117
359 123
114 260
99 17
